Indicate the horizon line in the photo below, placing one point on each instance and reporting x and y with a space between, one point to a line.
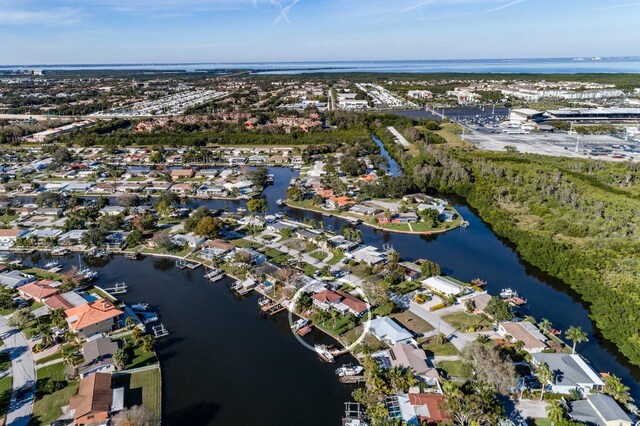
594 58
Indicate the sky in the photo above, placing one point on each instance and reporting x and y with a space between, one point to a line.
170 31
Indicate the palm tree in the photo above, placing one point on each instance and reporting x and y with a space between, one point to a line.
555 413
545 375
618 391
577 335
545 325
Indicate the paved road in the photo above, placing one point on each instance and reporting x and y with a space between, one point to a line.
24 374
459 340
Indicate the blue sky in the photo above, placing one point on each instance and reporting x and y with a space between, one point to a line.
140 31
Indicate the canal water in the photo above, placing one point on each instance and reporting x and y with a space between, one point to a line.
478 252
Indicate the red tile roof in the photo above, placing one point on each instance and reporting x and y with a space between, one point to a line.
39 290
327 296
433 402
91 313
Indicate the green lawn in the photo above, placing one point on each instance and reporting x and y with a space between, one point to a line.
143 387
455 369
57 355
465 322
5 362
412 322
340 326
242 243
138 357
47 406
42 274
308 269
5 394
337 257
6 218
539 422
319 254
433 347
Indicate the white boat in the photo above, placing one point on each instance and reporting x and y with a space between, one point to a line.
59 251
142 306
215 275
324 353
86 273
298 324
280 202
349 370
508 293
52 264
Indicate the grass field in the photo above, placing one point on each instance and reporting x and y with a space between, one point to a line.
142 387
464 321
433 347
47 406
455 369
412 322
5 394
319 254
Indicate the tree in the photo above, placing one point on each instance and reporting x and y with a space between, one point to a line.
120 358
545 325
429 269
555 413
93 237
257 205
259 176
577 335
156 157
499 310
134 238
545 376
135 416
195 217
294 193
472 403
147 342
164 242
163 208
20 318
6 298
613 386
490 366
208 227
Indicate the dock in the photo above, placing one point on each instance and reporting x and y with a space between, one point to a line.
352 379
183 264
118 288
159 331
133 256
215 275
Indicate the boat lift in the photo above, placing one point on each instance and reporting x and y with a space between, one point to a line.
118 288
159 331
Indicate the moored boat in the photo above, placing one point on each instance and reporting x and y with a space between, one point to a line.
324 353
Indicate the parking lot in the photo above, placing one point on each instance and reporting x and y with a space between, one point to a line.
560 144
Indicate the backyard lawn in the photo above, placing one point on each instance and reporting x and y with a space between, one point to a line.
455 369
141 387
465 322
319 254
433 347
412 322
5 394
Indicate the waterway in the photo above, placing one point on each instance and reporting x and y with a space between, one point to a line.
478 252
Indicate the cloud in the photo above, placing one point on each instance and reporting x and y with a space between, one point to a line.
414 6
57 16
504 6
284 11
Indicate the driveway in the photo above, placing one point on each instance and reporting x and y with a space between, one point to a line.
24 374
459 340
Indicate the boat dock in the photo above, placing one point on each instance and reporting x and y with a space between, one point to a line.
133 256
214 275
352 379
118 288
159 331
183 264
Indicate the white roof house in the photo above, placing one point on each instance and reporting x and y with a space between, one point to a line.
388 331
570 372
444 285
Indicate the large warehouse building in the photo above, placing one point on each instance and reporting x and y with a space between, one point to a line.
595 115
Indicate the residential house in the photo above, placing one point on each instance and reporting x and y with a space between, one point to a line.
190 240
364 210
39 290
92 404
177 174
570 372
388 331
444 286
100 316
65 301
525 332
326 299
352 304
369 255
600 410
98 356
15 279
406 356
411 271
8 237
417 408
113 210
